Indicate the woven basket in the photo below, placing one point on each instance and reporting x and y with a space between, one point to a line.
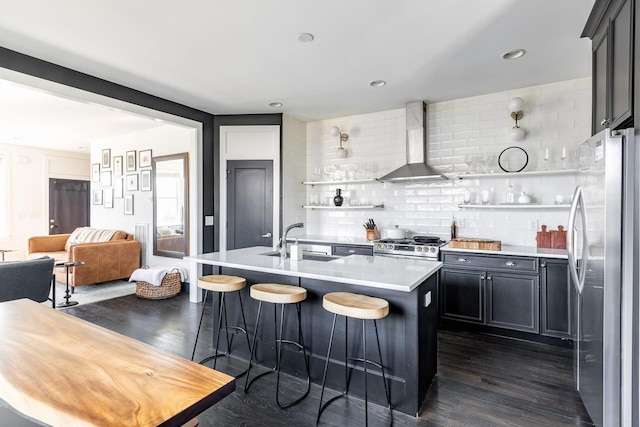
170 287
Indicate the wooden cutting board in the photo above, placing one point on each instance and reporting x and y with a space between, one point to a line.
482 244
543 238
558 238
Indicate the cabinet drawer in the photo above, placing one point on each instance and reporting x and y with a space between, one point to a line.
344 250
506 263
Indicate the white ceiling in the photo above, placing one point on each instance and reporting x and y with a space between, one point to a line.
39 118
231 57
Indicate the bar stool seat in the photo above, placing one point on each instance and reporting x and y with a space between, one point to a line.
221 284
278 294
355 305
364 308
284 295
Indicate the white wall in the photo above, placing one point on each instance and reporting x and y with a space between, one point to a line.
162 141
28 173
294 153
555 115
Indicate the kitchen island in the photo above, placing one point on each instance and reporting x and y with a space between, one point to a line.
407 336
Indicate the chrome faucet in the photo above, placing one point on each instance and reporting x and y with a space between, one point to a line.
282 246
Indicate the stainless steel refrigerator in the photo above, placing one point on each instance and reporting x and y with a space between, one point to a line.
600 247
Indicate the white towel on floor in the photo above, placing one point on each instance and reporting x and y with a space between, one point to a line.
154 275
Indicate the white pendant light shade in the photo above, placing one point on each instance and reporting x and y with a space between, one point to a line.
516 134
341 153
334 131
516 104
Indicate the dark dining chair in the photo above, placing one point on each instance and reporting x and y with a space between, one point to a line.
31 279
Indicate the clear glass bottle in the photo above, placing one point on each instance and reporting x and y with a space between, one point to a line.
511 195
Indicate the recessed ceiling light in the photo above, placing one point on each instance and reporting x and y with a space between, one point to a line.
514 54
377 83
305 37
275 104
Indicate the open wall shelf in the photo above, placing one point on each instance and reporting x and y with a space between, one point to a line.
344 207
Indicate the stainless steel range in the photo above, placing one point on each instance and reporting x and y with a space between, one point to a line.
427 247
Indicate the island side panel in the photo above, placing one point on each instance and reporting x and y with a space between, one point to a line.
407 337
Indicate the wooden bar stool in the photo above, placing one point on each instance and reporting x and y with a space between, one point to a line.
283 295
358 307
221 284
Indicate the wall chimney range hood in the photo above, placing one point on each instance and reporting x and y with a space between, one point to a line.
416 168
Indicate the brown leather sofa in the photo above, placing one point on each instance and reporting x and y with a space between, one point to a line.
103 261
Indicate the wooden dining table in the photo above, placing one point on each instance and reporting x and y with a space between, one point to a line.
64 371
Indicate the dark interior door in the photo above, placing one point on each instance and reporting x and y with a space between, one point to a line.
68 205
249 203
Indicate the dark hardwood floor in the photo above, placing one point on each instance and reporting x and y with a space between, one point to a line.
482 380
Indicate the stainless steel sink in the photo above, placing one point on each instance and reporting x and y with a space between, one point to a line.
307 256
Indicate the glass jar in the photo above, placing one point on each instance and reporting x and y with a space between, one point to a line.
511 195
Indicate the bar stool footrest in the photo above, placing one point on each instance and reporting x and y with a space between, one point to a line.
361 360
225 354
300 348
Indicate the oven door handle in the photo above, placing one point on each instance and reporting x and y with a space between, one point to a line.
427 258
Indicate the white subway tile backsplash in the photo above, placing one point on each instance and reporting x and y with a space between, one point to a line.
555 115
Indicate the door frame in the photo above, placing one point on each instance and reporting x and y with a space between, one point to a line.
249 143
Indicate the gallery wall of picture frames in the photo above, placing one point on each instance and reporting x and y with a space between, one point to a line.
119 175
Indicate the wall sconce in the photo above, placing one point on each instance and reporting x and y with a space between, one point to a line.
342 152
515 107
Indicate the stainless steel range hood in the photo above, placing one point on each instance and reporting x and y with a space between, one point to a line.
416 168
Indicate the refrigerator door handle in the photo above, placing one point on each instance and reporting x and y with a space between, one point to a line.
577 275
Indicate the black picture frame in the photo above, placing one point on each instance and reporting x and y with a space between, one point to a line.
145 180
107 198
128 204
117 165
97 197
132 182
106 158
105 178
95 172
131 161
144 159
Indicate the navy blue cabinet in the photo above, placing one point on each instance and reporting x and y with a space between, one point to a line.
525 294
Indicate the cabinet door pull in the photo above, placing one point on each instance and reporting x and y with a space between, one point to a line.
462 260
543 265
352 251
604 122
489 278
481 277
510 264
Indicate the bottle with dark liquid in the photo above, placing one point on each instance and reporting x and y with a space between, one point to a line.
454 229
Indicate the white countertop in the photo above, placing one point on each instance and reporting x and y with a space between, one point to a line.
516 250
378 272
329 239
